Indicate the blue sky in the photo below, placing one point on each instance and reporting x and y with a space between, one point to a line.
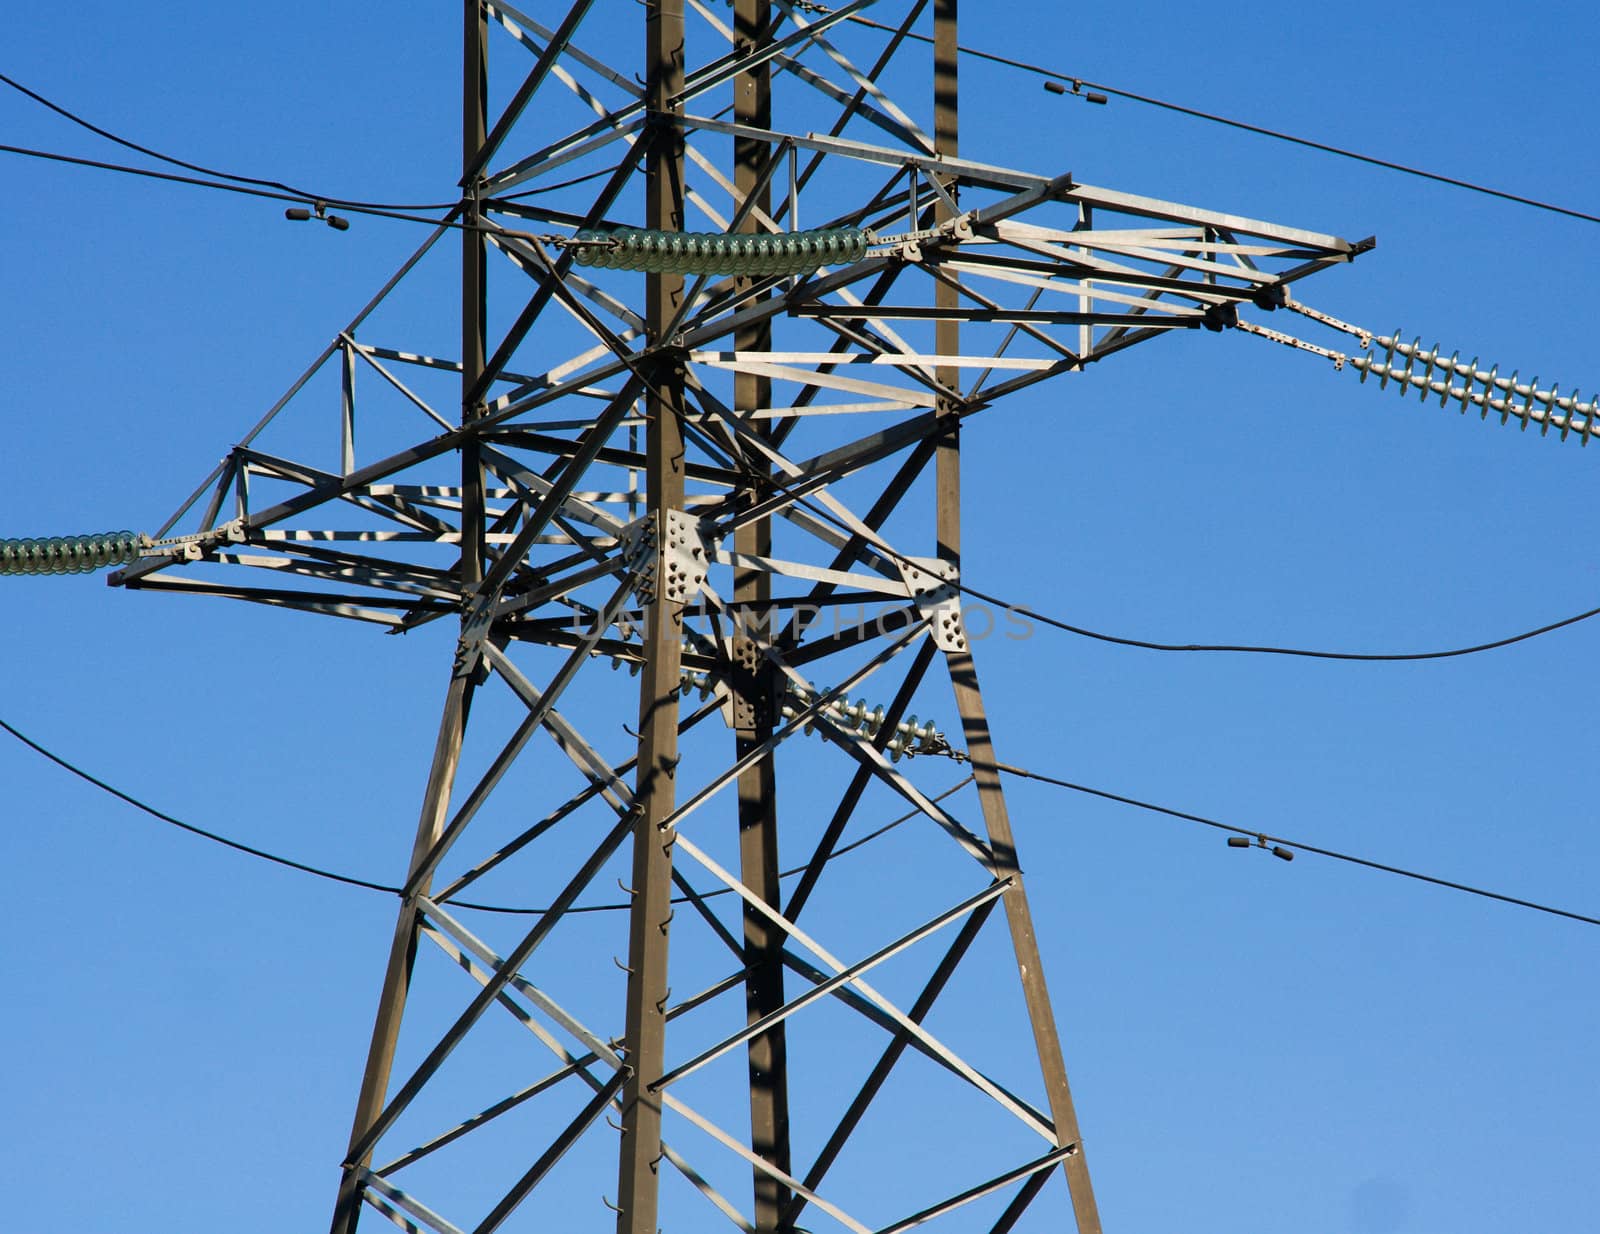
1254 1045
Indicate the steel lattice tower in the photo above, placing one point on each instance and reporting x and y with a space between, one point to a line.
684 471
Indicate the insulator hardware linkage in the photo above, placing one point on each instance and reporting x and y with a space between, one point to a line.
910 738
85 554
1452 379
1288 340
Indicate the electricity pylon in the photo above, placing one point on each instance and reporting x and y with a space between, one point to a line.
679 455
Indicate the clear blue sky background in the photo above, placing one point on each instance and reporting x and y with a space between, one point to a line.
1255 1046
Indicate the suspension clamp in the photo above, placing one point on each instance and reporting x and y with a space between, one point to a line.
193 547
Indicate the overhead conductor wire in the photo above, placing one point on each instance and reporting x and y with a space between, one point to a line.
1245 126
353 881
1267 837
1058 623
1005 768
128 144
1049 74
1249 649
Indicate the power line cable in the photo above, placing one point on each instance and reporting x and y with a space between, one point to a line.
1236 648
1245 648
559 184
1051 76
128 144
1246 126
237 846
267 194
1264 838
246 190
352 881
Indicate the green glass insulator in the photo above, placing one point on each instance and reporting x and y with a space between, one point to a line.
67 554
753 254
588 254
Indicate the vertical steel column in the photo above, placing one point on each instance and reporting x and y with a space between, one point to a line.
1019 917
644 1041
474 278
403 947
757 686
947 334
969 698
347 408
458 698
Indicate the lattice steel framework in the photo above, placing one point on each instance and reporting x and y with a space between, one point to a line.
684 475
